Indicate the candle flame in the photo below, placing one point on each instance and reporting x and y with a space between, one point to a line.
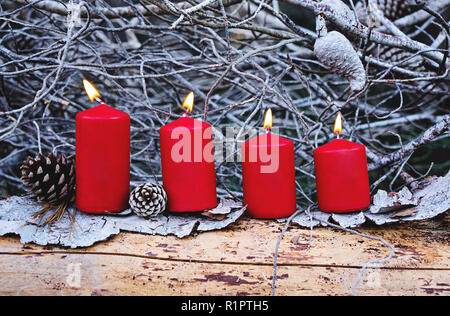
188 102
338 124
91 91
268 119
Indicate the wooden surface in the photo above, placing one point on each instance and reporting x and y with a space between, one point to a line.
236 261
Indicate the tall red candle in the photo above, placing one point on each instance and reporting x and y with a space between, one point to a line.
102 160
268 173
187 162
341 176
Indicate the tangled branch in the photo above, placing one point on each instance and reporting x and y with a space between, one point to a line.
239 57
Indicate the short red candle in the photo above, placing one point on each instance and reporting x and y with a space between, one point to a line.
341 176
187 162
268 173
102 160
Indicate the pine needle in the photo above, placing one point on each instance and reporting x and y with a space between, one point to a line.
51 214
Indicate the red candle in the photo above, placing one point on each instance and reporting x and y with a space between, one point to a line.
187 162
268 173
341 175
102 158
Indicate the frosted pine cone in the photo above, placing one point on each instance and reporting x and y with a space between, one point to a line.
340 8
336 52
50 179
148 200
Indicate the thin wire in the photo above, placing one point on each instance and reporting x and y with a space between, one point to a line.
365 266
275 259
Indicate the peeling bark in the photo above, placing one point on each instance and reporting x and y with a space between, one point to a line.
15 215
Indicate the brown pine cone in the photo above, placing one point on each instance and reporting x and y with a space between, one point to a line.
50 179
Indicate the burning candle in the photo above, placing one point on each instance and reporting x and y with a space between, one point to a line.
187 162
268 173
341 174
102 157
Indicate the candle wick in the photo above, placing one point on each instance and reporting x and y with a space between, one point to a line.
338 135
99 101
267 129
186 113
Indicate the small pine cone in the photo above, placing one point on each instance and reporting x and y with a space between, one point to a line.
148 200
336 52
50 179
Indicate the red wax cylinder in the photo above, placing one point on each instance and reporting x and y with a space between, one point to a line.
341 176
102 160
268 173
187 162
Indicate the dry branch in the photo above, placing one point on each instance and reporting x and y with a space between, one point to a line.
429 135
110 13
353 28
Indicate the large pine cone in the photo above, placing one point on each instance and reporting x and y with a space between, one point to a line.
392 9
396 55
336 52
50 179
148 200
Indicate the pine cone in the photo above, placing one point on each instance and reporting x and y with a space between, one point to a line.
50 179
395 55
336 52
392 9
148 200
